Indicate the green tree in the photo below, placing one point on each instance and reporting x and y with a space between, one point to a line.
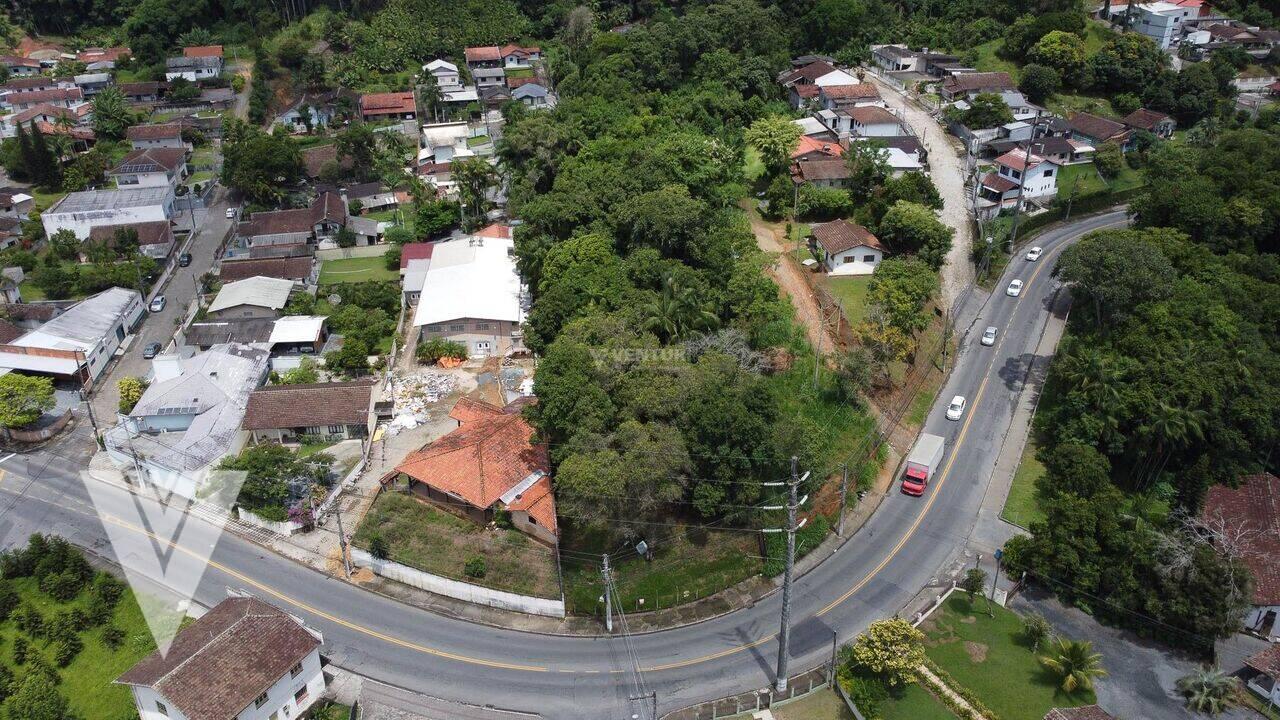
774 137
1210 691
912 228
868 168
474 176
986 110
974 582
1108 159
23 399
1074 663
1036 629
305 373
258 164
892 649
111 115
1039 82
1062 51
1073 467
1113 271
676 311
131 389
269 472
899 289
37 698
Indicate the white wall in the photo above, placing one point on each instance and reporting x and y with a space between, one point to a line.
280 696
147 144
149 179
854 261
877 129
458 589
1041 179
145 698
82 222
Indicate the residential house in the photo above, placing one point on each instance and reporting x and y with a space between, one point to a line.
1060 150
847 248
82 211
57 97
494 96
111 55
487 77
873 121
472 294
1252 511
515 56
488 463
896 58
803 84
812 127
294 336
151 167
16 203
310 225
1156 123
1255 41
32 82
244 659
834 97
255 297
903 153
388 106
20 66
442 142
966 85
821 172
300 269
202 51
1040 173
1084 712
372 196
415 261
10 235
205 334
484 56
320 109
77 345
188 419
149 91
445 73
91 84
155 239
1262 671
808 148
147 137
289 414
532 95
1160 21
1097 130
11 291
192 68
1018 104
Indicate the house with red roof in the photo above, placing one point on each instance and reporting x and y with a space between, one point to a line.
1249 517
809 148
847 248
388 106
491 461
1036 175
517 56
20 66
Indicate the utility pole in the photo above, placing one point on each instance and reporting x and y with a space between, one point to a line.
844 490
784 632
608 593
342 543
1022 184
88 406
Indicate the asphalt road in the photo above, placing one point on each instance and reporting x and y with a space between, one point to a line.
892 557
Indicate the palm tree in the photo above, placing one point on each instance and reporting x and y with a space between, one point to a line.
1075 663
1209 690
676 311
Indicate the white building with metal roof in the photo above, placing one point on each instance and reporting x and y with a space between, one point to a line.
472 294
80 212
255 297
79 343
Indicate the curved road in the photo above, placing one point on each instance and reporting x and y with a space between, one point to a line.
892 557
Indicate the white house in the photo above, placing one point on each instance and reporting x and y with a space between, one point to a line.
151 167
145 137
243 660
872 121
189 417
82 211
533 95
1252 511
1041 173
471 293
92 83
192 68
1160 21
445 73
78 344
57 97
442 142
847 248
255 297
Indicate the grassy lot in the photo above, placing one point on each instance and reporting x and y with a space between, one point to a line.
915 703
31 292
356 270
477 140
1022 507
753 168
86 682
817 705
44 200
988 61
852 293
329 710
989 656
1081 179
923 400
519 72
1063 103
204 156
309 449
428 538
200 178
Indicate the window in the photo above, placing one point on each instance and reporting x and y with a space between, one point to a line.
333 430
533 520
295 670
1048 173
869 258
433 328
482 326
457 328
160 708
1015 173
300 696
260 700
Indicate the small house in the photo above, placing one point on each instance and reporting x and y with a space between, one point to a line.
77 345
388 106
1040 173
298 269
964 86
255 297
873 121
445 73
147 137
291 413
532 95
151 167
149 91
516 56
1156 123
1252 511
298 335
92 83
832 97
57 97
155 239
193 68
847 248
1096 130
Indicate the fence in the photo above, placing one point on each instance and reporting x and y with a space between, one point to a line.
346 481
1083 204
352 252
285 527
798 686
457 589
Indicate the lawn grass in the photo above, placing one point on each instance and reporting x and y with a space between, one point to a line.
203 156
44 200
477 140
989 656
356 270
87 681
753 166
31 292
923 401
425 537
823 704
1022 506
914 703
1063 103
1080 179
309 449
851 292
519 72
200 178
329 710
988 61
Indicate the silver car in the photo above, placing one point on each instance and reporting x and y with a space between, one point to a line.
989 336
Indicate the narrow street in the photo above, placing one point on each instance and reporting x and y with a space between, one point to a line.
947 170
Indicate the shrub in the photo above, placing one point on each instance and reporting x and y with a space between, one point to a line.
379 547
29 620
432 350
20 647
866 691
63 586
8 600
66 649
112 637
6 683
475 567
107 587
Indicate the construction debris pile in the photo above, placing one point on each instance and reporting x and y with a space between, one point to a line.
413 394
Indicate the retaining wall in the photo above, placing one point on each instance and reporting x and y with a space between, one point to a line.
353 252
285 528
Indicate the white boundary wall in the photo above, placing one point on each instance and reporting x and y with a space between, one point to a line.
457 589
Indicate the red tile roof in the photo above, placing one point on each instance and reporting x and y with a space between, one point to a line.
387 103
822 169
469 410
999 184
415 251
806 91
16 61
1255 508
285 268
218 664
1144 119
809 73
480 460
979 82
496 230
1087 712
202 51
146 87
1093 126
31 113
50 95
154 132
859 91
111 54
838 236
540 502
37 82
872 115
1019 160
511 49
293 406
1266 661
810 145
277 222
482 53
9 332
76 133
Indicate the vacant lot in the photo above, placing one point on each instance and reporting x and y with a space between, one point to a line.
425 537
1022 507
851 292
356 270
989 656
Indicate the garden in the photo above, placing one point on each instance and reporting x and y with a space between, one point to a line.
356 269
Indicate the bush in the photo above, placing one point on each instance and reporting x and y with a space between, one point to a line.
8 600
866 691
1108 159
63 586
475 568
131 389
432 350
112 637
29 620
66 649
108 588
20 647
379 547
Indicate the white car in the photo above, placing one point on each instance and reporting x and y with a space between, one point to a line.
231 213
956 408
158 304
1034 254
989 336
1015 289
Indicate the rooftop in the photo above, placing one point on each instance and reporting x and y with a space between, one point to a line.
838 236
415 251
216 332
980 81
290 406
859 91
154 132
471 278
288 268
258 291
393 102
149 233
86 323
823 169
297 328
48 95
218 664
1093 126
1254 509
91 200
1144 119
203 51
150 160
872 115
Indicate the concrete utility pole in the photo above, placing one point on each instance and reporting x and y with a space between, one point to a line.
844 491
342 542
608 593
784 632
1026 161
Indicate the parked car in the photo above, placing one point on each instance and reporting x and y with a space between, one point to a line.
956 408
231 213
151 350
1015 289
989 336
184 260
158 304
1034 254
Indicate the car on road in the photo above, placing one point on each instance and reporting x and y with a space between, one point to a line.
989 336
1015 289
184 260
158 304
1034 254
231 213
956 408
151 350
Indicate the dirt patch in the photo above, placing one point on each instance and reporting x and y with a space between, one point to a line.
977 651
968 619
